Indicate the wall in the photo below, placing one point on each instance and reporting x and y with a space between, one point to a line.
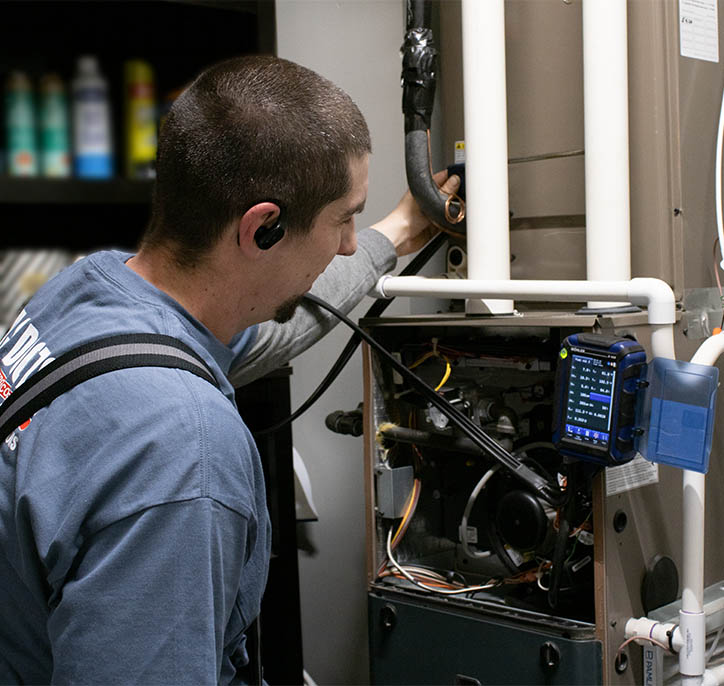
355 44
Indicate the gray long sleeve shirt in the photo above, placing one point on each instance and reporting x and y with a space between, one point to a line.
343 284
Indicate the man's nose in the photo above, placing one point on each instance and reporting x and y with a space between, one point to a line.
348 244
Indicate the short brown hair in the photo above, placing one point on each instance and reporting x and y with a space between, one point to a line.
247 130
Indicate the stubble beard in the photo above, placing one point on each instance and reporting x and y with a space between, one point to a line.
286 310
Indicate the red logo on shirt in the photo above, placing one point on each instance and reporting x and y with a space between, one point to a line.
5 388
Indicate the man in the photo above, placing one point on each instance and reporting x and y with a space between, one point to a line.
134 537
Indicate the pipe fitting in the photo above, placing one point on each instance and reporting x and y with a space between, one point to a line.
378 290
643 627
658 298
692 654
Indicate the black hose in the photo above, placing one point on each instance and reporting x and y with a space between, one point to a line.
419 76
418 13
544 488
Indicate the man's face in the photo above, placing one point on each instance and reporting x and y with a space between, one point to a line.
333 233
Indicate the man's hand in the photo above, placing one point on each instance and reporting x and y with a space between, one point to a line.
406 226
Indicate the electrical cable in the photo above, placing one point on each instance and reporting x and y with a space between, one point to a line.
715 643
377 308
466 514
550 492
435 353
409 511
718 179
642 638
409 577
717 267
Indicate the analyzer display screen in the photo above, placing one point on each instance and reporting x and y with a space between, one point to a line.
590 400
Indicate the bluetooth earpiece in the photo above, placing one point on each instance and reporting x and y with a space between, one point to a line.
267 236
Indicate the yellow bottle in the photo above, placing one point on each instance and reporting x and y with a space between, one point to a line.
140 108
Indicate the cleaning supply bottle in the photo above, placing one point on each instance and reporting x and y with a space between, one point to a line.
92 133
54 128
22 155
140 111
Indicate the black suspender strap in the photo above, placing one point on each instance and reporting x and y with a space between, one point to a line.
91 360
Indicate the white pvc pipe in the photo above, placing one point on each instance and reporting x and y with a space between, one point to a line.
655 294
486 147
709 351
605 111
643 627
692 662
662 342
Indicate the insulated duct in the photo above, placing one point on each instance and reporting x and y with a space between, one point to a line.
419 76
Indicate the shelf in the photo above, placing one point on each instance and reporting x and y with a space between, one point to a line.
39 191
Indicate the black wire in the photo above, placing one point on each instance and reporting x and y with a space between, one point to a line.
377 308
547 490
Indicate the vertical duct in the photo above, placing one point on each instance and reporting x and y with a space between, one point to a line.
605 110
486 148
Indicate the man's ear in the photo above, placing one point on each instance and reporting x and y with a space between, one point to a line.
258 219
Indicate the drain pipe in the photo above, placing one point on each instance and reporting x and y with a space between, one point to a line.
486 148
691 616
692 621
605 112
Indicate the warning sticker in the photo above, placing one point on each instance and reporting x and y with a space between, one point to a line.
459 152
635 474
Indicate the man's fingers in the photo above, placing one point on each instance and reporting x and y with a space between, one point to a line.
452 184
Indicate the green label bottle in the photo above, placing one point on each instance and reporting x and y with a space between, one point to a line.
54 128
20 126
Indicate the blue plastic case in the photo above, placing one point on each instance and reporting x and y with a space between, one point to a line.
676 414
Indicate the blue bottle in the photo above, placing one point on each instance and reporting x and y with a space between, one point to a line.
92 132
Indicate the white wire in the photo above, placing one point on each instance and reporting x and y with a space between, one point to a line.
714 645
717 180
468 509
409 577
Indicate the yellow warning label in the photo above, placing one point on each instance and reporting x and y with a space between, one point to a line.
459 152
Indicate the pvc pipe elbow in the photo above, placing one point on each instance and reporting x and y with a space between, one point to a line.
658 298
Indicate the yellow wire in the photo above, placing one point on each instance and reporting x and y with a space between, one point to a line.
408 507
448 370
420 360
427 356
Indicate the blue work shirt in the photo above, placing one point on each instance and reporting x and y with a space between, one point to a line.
134 534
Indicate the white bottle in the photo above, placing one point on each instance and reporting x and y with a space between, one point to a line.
92 134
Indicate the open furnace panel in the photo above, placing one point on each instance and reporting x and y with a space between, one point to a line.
456 533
